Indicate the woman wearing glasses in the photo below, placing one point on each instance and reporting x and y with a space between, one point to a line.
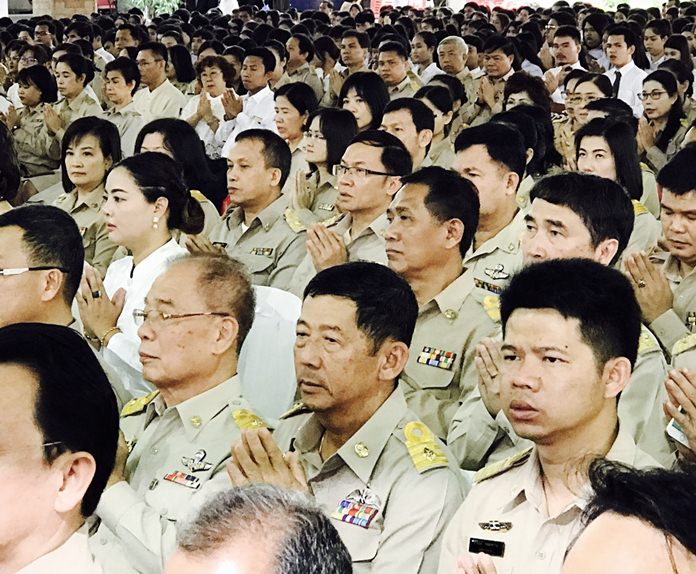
146 201
661 130
328 135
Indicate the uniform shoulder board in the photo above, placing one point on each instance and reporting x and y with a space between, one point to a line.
645 167
498 468
684 344
246 420
299 408
638 208
423 448
293 220
138 405
491 304
647 342
331 220
198 196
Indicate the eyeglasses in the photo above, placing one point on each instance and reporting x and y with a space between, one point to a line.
44 446
341 170
20 270
27 60
158 318
654 95
314 135
143 63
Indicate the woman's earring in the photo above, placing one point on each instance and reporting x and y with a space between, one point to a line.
155 222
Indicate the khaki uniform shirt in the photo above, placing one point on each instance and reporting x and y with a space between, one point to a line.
480 113
177 461
440 371
38 151
656 158
82 106
650 198
129 123
471 85
305 74
442 154
646 230
680 320
368 246
74 552
390 490
406 88
514 495
523 192
269 248
86 211
323 206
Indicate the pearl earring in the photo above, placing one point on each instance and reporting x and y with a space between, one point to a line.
155 222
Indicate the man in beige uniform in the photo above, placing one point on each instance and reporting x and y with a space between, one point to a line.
254 229
300 53
571 330
393 67
355 49
433 219
368 177
452 53
568 218
385 480
667 294
177 438
413 123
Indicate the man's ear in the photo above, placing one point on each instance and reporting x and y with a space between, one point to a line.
76 470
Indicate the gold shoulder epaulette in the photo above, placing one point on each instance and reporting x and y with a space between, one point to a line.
684 344
638 208
297 409
491 304
293 220
647 342
423 448
245 420
645 167
138 405
498 468
198 196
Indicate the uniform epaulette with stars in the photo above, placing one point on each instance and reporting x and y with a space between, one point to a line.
293 220
498 468
638 207
647 342
135 406
423 448
684 344
491 304
198 196
247 420
299 408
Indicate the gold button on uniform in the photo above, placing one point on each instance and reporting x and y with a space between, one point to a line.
451 314
361 450
196 421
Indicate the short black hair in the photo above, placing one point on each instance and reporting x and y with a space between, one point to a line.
660 26
454 86
568 32
661 498
599 297
266 56
603 205
504 144
83 29
276 152
362 38
157 48
42 78
397 47
394 157
616 109
386 307
305 45
422 115
127 68
75 406
629 37
300 95
50 237
678 176
371 88
449 196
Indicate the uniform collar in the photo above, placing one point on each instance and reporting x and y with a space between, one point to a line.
378 227
128 109
453 296
400 86
266 217
371 438
671 270
196 412
81 98
260 95
93 199
507 239
303 69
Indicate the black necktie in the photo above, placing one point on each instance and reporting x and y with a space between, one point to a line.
616 84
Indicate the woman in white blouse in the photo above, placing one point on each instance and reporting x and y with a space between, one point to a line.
146 201
205 111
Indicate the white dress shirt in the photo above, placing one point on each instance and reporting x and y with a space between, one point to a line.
165 101
559 95
630 86
429 73
532 69
258 111
105 55
212 146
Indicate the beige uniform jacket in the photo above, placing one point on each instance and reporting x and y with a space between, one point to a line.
369 245
269 248
323 206
440 372
406 88
656 158
129 123
390 490
646 230
510 507
86 211
177 460
442 154
73 552
305 74
471 85
82 106
680 320
38 151
650 199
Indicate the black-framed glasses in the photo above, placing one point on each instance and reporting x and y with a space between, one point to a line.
20 270
340 170
157 318
654 95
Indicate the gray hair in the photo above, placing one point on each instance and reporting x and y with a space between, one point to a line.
457 41
298 536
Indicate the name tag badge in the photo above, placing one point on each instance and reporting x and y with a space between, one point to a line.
187 480
265 251
490 547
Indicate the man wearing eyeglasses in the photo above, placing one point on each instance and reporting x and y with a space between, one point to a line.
176 440
368 177
159 98
58 450
44 33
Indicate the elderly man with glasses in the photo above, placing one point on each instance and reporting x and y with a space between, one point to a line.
176 440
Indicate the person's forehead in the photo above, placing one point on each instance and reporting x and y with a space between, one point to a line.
545 210
178 285
18 386
402 117
362 152
253 61
329 311
245 149
11 242
411 195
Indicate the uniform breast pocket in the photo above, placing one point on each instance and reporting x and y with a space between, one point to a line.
362 543
170 494
259 265
433 368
